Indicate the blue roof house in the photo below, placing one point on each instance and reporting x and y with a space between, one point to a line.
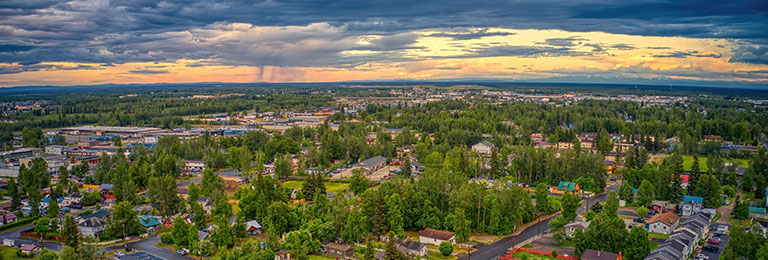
691 205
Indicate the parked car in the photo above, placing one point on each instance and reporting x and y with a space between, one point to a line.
119 253
639 220
714 241
182 251
711 248
702 256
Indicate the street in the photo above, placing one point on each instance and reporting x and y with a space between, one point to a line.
149 245
499 248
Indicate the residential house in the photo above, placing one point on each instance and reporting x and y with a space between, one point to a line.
339 250
7 218
684 181
207 205
149 221
661 255
590 254
29 249
91 227
412 248
691 205
662 223
202 235
659 206
564 145
755 212
564 186
570 228
253 227
194 165
435 237
283 255
484 147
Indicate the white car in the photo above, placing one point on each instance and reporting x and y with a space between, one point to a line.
702 256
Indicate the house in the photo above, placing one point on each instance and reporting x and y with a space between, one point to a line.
253 227
29 249
570 228
590 254
202 235
149 221
412 248
435 237
207 205
7 218
661 255
91 227
659 206
662 223
691 205
373 164
194 165
564 186
483 147
339 250
100 214
283 255
684 181
74 197
755 212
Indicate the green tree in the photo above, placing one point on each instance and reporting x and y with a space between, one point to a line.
123 218
53 209
693 175
279 218
70 232
446 248
708 187
283 167
300 243
646 193
162 194
391 252
542 198
222 234
740 209
641 211
395 215
358 183
198 215
13 192
370 251
406 168
636 245
181 232
570 203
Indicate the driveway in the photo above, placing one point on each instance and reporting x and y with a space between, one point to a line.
723 243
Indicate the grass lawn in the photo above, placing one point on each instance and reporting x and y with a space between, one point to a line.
438 255
654 245
527 246
658 236
10 253
529 256
566 243
330 187
688 162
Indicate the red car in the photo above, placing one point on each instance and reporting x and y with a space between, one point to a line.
714 241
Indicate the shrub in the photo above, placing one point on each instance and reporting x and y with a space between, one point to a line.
166 238
446 248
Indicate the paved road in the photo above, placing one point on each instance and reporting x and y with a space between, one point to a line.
16 236
187 182
149 245
499 248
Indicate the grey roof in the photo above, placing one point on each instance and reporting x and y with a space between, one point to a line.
92 222
669 249
661 255
102 213
373 161
486 143
412 245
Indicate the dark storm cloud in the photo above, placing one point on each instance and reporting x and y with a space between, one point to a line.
470 35
564 42
685 54
148 71
519 51
103 31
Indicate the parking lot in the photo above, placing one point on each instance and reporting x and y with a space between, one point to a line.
723 242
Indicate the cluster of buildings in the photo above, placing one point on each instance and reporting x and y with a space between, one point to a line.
13 107
684 239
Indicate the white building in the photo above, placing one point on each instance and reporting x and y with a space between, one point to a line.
483 147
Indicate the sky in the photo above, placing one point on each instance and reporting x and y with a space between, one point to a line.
47 42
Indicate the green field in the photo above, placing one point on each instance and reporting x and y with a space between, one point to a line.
321 257
330 187
9 253
657 236
688 162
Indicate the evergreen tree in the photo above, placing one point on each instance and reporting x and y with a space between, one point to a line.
636 244
693 176
70 232
13 192
53 209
